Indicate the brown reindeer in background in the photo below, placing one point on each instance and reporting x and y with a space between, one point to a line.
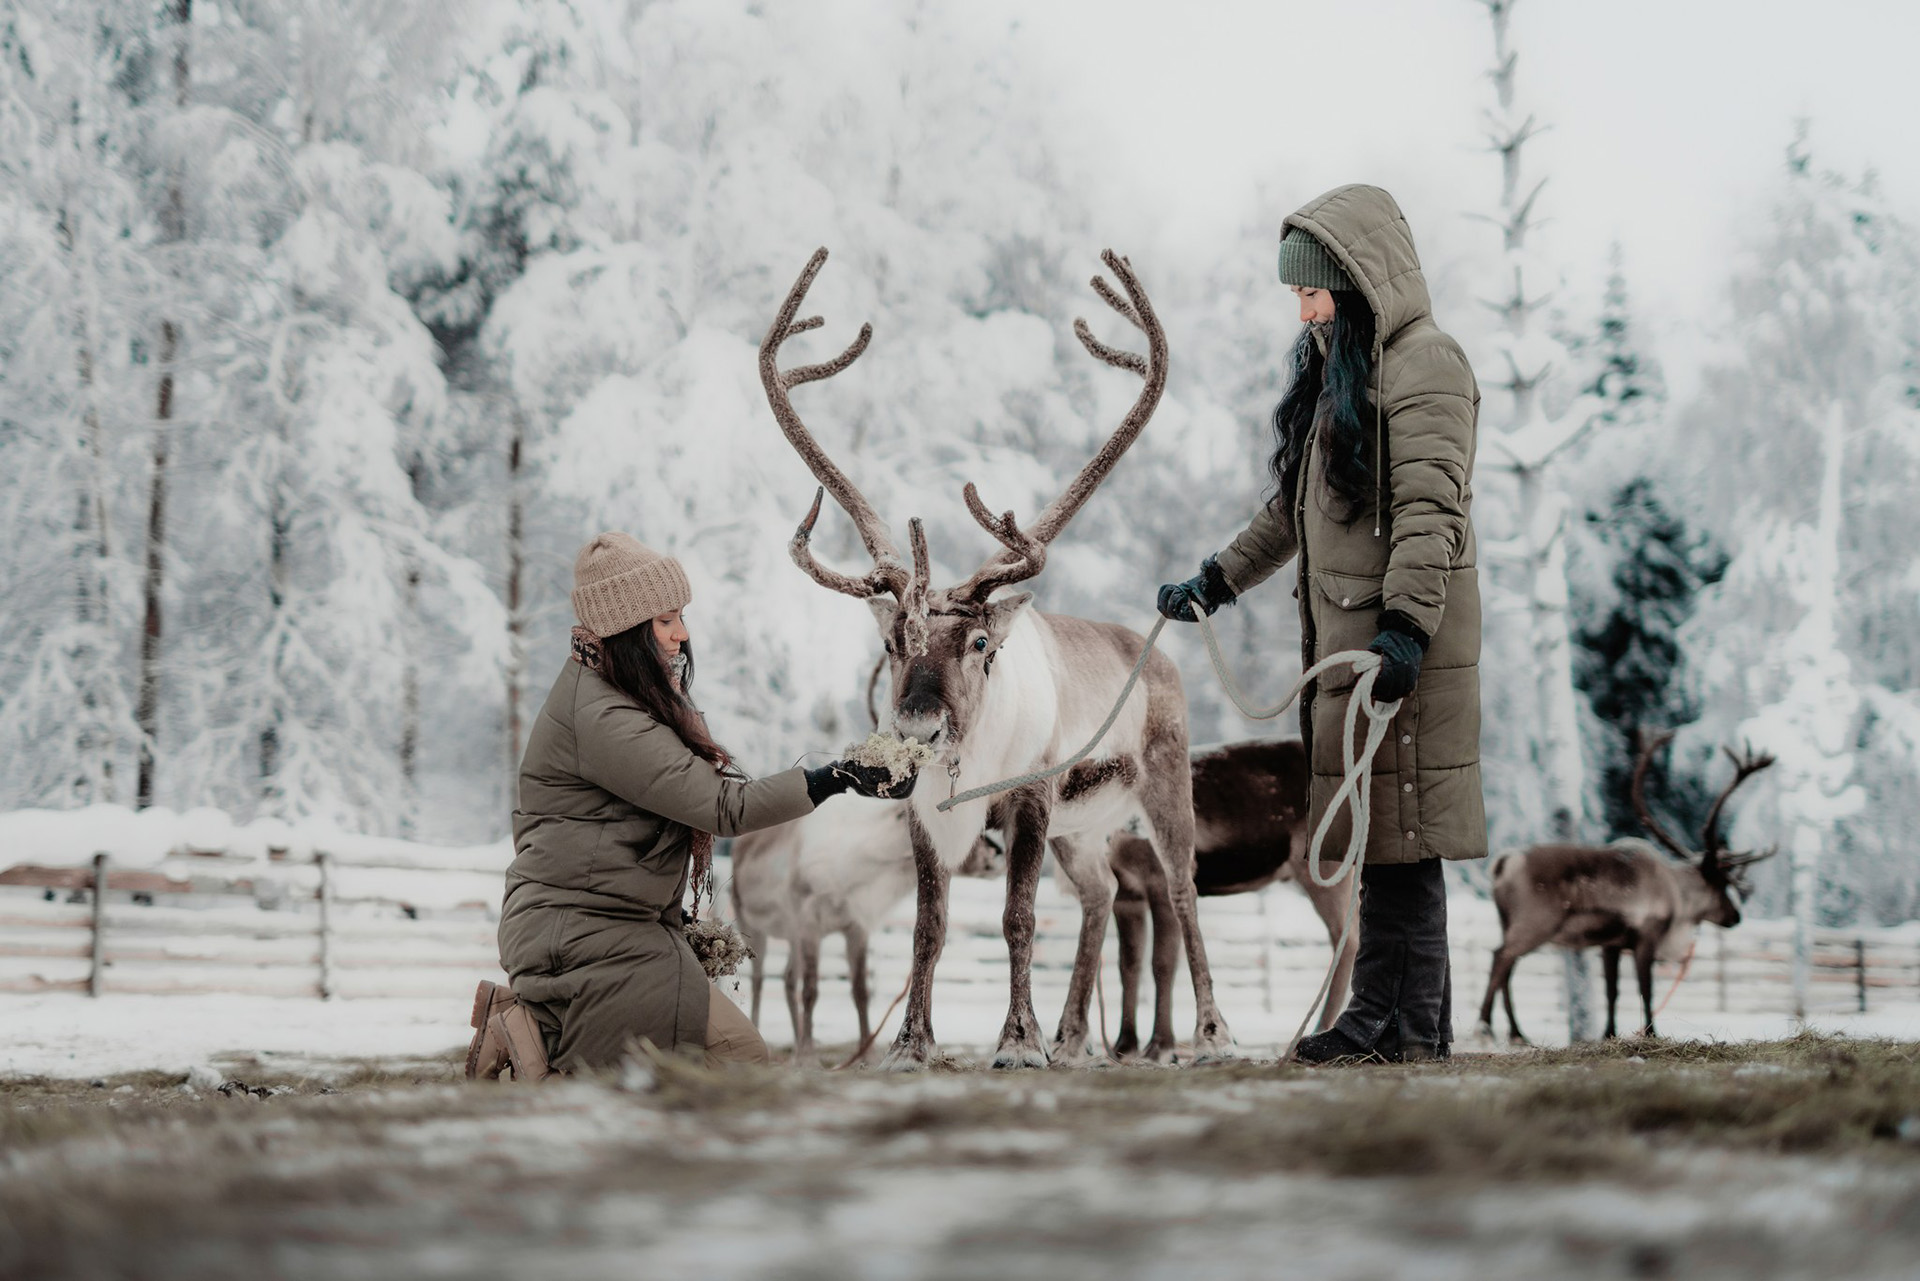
1620 897
1000 689
1250 830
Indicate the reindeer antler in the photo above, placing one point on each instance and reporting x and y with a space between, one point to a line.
1745 765
1024 553
1650 743
1028 554
889 573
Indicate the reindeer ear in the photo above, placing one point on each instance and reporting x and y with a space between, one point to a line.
1002 613
884 608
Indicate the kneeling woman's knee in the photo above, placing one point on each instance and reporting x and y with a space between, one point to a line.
731 1036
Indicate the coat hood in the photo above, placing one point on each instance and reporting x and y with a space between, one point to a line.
1367 234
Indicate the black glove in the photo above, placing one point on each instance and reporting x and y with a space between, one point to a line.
868 780
1401 645
1207 589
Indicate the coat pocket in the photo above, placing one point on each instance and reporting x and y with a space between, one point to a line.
1348 591
1346 609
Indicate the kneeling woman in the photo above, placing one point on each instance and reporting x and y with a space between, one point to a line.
622 791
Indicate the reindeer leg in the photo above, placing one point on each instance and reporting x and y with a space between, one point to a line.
1166 965
808 950
857 976
1486 1002
1167 797
914 1045
1610 965
1514 1035
1643 954
1501 981
1330 905
1020 1044
758 944
1130 926
790 984
1093 881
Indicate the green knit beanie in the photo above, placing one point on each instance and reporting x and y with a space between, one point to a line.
1304 261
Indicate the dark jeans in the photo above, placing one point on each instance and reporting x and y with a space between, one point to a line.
1402 981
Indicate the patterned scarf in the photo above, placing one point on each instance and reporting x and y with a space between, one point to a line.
588 652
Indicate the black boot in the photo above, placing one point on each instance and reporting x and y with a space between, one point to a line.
1401 1009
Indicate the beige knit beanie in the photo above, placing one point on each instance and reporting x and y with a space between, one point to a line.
618 584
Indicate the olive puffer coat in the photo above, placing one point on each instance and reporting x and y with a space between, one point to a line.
590 933
1427 801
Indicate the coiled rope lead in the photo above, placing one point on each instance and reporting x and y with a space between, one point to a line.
1356 783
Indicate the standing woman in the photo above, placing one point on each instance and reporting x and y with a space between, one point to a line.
622 791
1372 471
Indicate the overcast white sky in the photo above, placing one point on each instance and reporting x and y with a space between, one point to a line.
1669 117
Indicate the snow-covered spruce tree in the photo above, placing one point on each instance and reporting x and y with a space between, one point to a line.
1635 568
1808 449
1538 414
1629 664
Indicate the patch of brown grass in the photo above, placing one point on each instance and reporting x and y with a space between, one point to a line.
1583 1111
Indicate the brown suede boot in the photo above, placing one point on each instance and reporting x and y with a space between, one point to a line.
526 1046
487 1055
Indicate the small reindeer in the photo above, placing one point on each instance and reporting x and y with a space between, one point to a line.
839 870
1001 689
1620 896
1250 830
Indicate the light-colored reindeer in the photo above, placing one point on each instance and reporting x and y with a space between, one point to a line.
1624 896
838 870
1000 689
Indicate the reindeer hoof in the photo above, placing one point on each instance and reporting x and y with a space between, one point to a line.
1010 1056
906 1058
1158 1053
1071 1052
1205 1052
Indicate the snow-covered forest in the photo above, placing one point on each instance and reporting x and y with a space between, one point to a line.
330 328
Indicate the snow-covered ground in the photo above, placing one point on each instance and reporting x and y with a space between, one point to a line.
64 1035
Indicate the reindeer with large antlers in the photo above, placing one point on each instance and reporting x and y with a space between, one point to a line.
1619 897
1000 689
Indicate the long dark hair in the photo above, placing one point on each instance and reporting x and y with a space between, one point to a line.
635 666
1333 388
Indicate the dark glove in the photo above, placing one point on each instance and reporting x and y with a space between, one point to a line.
1401 645
868 780
1208 589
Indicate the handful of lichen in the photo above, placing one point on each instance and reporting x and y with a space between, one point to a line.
900 757
719 947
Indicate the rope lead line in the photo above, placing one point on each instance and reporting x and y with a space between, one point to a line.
1356 783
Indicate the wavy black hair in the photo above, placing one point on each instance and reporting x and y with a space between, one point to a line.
1333 388
635 665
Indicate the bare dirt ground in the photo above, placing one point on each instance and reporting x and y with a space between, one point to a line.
1638 1159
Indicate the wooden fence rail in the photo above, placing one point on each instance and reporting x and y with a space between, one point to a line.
326 927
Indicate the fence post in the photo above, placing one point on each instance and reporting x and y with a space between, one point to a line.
324 862
1860 969
96 978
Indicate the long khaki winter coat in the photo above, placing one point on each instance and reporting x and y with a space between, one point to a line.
1426 779
590 933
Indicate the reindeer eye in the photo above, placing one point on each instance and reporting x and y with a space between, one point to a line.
980 644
